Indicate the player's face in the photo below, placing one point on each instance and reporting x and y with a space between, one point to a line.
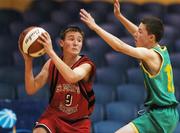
72 43
141 36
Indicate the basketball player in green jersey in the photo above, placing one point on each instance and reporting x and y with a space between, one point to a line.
162 115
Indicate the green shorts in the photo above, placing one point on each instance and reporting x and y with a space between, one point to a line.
157 121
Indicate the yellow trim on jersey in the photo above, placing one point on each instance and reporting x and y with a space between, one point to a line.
146 71
134 127
163 48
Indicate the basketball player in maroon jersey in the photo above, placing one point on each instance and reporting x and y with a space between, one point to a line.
71 77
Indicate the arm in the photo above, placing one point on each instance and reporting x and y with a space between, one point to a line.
71 76
118 45
33 84
148 56
132 28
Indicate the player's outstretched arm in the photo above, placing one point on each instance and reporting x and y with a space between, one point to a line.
132 28
117 44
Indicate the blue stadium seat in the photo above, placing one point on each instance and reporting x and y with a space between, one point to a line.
109 76
28 112
102 7
60 17
177 130
177 93
118 61
157 9
98 113
23 130
6 17
104 93
144 14
96 45
97 9
173 8
170 32
176 73
112 28
132 93
42 94
45 7
130 10
173 20
175 62
32 17
51 28
106 126
177 45
121 111
112 19
135 76
18 60
6 103
98 48
11 75
7 91
72 9
16 28
98 61
7 46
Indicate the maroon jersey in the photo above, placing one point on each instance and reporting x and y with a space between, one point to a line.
72 101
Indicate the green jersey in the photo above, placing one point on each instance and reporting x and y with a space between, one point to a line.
160 87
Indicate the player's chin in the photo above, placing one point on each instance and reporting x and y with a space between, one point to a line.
75 53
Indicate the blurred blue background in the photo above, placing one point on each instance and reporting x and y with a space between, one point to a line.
118 86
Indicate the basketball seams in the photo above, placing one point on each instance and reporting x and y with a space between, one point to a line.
28 41
38 53
31 37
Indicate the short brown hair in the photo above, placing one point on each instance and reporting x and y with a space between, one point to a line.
154 26
71 28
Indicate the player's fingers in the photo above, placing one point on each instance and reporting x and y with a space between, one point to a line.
84 13
83 16
47 35
39 40
42 37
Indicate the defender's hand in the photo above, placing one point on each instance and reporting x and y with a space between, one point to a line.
87 19
117 12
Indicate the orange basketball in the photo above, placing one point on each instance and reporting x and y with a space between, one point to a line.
28 41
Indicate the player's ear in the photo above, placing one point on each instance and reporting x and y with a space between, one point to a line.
61 42
152 37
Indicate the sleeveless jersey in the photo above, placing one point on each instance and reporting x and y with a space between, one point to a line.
160 87
72 101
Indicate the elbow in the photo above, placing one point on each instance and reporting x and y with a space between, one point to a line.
29 91
117 49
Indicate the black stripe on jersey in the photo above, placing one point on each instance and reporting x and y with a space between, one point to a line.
87 95
53 82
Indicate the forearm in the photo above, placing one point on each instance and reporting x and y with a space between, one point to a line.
29 78
110 39
68 74
132 28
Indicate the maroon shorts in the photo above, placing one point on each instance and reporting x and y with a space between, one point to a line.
53 124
